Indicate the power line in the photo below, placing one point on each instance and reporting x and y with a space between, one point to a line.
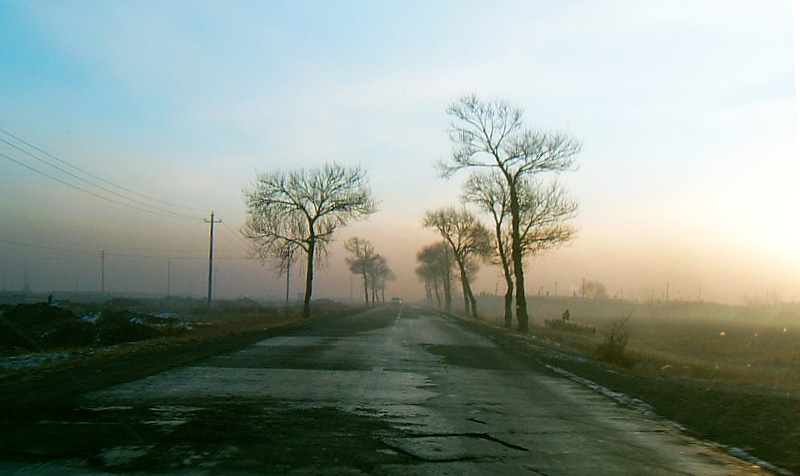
166 214
242 241
40 247
153 207
91 174
121 255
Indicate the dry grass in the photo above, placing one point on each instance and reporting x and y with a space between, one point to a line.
695 340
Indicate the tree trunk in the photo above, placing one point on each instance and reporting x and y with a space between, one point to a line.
288 279
366 292
448 293
509 302
473 303
312 243
516 258
508 316
465 291
436 292
469 298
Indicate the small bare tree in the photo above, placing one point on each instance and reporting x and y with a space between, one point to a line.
493 135
379 274
429 276
437 262
361 260
470 241
305 209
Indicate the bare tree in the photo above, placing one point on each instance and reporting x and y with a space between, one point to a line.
361 261
493 135
544 214
429 276
379 274
286 259
470 241
305 208
437 261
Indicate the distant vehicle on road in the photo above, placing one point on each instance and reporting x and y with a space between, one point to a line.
397 301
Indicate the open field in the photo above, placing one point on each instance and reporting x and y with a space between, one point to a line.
726 374
757 346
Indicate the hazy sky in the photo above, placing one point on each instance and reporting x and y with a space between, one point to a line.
686 110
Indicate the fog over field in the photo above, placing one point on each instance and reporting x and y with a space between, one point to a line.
123 125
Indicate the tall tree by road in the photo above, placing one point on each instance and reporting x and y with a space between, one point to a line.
305 208
470 241
436 265
545 211
361 260
379 274
493 135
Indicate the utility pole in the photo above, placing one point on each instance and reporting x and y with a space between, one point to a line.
211 256
103 272
169 265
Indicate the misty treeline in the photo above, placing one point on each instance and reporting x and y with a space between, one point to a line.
511 167
370 266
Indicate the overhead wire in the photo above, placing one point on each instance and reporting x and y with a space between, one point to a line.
121 255
151 208
124 200
164 202
154 212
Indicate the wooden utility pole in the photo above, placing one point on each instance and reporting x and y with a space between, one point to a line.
211 256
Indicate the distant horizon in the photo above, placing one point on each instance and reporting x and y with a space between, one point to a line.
457 303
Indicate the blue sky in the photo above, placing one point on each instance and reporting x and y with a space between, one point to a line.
686 111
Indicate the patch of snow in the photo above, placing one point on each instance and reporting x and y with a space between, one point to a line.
31 360
123 454
620 397
745 456
92 317
649 411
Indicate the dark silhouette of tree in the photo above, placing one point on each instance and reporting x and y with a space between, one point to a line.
593 290
437 262
361 260
428 276
544 214
470 241
305 208
379 274
372 267
493 135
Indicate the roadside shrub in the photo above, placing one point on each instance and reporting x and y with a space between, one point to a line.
612 349
562 325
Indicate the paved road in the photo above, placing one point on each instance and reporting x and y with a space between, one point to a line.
389 391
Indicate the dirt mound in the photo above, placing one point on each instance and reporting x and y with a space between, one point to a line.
41 328
121 326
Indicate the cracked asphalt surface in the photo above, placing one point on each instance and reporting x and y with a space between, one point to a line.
388 391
